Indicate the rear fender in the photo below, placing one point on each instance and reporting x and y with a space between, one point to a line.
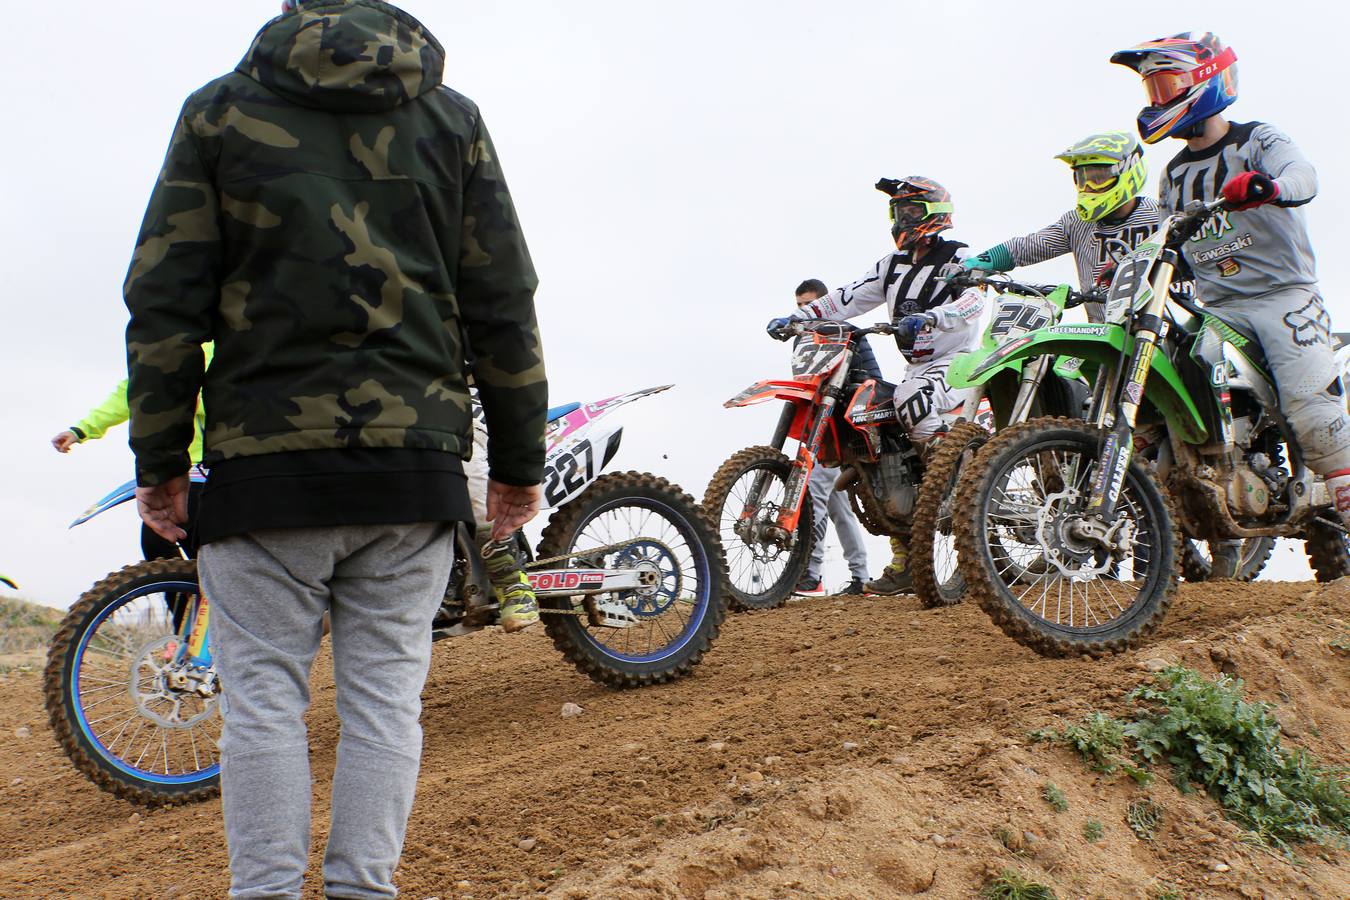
1103 345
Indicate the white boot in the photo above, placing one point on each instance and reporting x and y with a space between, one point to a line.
1338 486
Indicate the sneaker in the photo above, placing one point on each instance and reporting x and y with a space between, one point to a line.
809 587
854 588
891 581
517 608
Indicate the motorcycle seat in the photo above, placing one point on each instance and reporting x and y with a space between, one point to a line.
557 412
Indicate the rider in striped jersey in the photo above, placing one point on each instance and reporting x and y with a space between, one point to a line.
1109 220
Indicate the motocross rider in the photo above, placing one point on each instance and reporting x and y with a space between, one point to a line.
114 411
934 320
1109 220
1253 264
517 607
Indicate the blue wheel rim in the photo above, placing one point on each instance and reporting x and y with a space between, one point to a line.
81 718
702 572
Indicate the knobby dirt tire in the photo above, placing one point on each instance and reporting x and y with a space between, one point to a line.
941 475
1256 553
1327 552
568 632
715 498
1015 620
57 692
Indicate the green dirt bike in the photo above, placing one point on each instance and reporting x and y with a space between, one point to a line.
1015 392
1069 532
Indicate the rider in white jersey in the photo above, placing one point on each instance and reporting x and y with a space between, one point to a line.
935 320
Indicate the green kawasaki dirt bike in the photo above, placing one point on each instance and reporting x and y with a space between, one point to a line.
1018 390
1069 531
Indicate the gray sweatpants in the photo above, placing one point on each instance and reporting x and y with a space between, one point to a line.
1295 332
269 590
827 502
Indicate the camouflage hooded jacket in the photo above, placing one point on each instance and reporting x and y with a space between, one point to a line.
336 220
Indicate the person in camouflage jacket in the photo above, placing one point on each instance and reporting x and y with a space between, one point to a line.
336 220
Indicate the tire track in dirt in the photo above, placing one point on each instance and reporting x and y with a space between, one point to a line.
667 792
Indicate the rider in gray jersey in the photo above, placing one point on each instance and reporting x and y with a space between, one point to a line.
1253 264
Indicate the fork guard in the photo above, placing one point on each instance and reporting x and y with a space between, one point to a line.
1098 346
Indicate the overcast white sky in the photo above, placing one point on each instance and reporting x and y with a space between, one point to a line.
678 168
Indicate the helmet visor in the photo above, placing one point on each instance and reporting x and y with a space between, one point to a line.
1096 176
905 213
1165 86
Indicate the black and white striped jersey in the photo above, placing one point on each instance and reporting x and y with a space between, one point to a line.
1255 251
909 287
1093 244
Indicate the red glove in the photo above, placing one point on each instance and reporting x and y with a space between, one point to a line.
1250 189
1104 276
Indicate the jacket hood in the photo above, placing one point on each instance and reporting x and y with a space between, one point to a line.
346 55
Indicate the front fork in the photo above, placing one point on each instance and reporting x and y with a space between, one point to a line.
1118 448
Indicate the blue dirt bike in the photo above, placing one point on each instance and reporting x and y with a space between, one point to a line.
630 578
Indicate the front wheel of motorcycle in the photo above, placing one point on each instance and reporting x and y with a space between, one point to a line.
933 559
1021 512
632 520
131 714
762 573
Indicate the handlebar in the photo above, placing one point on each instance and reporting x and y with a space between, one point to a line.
1002 283
805 326
1189 220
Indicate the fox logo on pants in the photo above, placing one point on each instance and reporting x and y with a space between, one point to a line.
1310 325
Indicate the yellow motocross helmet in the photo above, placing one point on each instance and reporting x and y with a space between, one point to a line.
1108 170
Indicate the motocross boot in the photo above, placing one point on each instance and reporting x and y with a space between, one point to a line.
1338 486
516 606
896 577
1225 557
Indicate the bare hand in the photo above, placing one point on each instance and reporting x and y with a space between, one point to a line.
509 507
64 441
164 507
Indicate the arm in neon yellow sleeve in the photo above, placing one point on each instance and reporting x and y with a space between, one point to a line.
112 411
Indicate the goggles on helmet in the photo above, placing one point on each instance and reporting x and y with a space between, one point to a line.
1166 85
912 212
1096 176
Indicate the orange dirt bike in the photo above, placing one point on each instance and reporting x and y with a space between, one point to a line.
629 576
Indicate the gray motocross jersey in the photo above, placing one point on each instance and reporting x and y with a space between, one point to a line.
1256 251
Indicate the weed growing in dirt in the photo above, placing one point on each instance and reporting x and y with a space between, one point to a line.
1143 816
1100 740
1055 797
1010 885
1166 892
1341 643
1215 738
1093 831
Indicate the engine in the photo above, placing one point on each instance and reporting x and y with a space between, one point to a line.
1252 485
896 484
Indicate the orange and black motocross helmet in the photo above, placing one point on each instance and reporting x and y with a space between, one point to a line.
920 208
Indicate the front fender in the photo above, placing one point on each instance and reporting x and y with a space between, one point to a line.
12 585
764 391
1103 345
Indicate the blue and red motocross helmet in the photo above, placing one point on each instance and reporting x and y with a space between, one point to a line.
1189 77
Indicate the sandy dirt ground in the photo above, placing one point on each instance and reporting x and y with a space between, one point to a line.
861 748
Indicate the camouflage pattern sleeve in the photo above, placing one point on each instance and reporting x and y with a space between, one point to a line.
496 301
171 292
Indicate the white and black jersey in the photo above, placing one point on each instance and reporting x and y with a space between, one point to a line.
1093 244
909 287
1256 251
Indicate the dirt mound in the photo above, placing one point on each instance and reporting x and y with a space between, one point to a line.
25 630
847 749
